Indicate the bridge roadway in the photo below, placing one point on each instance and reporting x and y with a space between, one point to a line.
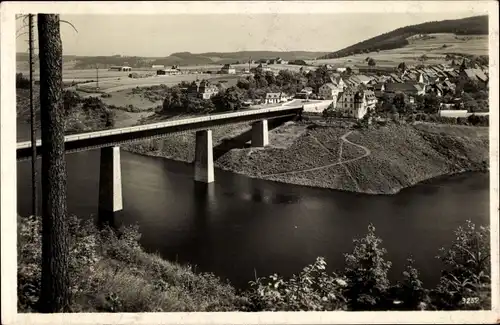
115 137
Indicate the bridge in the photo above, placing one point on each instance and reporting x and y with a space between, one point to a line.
109 141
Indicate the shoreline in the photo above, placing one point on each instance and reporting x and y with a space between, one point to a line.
375 161
318 186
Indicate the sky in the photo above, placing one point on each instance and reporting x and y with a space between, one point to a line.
162 35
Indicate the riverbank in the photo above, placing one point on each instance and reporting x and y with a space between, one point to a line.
110 272
377 160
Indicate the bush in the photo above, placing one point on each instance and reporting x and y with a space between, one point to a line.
465 281
313 289
22 82
82 260
366 273
410 293
110 272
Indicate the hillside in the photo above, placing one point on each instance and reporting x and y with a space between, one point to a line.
381 160
398 38
179 58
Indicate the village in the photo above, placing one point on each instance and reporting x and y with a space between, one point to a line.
353 91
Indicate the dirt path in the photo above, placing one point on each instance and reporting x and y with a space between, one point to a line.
339 162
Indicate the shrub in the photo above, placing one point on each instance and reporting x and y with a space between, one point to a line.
465 280
366 272
22 82
313 289
82 260
410 293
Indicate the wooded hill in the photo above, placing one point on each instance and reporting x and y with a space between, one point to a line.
397 38
182 58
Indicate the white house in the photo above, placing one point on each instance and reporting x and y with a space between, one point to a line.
275 98
120 68
227 69
356 103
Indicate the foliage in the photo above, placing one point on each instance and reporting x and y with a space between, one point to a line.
22 82
83 258
478 120
366 272
110 272
465 280
228 100
313 289
371 62
410 292
428 103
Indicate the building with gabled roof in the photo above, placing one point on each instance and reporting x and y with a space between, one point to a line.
356 103
275 98
227 69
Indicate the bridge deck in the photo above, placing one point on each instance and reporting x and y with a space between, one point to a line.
106 138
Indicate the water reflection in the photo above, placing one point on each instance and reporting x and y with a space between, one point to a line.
238 224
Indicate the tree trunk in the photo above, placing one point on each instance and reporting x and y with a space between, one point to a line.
34 191
55 294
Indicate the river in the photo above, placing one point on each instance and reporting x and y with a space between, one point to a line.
239 226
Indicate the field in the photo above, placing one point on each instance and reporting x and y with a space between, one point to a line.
109 84
431 47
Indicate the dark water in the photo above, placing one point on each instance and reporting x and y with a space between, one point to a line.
239 224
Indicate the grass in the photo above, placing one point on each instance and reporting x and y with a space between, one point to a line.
110 272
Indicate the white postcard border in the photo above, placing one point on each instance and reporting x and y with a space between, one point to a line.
8 194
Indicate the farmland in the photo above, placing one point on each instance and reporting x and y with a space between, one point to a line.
435 47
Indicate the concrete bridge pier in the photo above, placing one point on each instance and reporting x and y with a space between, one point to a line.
110 181
260 134
203 158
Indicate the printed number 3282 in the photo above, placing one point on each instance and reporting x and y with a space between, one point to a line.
470 300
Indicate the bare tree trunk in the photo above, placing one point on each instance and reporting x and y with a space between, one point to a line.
34 193
55 294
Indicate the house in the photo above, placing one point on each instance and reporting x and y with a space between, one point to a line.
452 74
120 68
338 81
168 72
304 93
363 79
203 89
356 103
275 98
395 77
157 66
435 89
227 69
260 67
329 91
409 88
475 75
449 86
307 90
378 89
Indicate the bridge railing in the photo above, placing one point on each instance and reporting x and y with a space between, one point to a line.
138 128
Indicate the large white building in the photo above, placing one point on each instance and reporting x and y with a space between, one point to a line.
356 103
